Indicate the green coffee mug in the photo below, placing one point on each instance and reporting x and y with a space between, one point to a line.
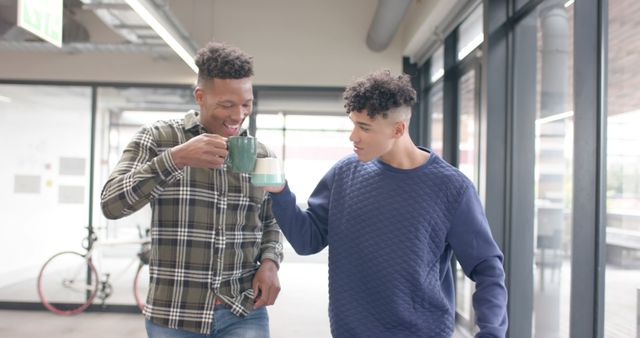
242 153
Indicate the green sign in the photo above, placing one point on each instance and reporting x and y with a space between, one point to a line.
42 18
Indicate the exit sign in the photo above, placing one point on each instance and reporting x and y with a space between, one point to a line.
42 18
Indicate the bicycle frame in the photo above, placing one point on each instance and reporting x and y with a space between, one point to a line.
94 255
63 274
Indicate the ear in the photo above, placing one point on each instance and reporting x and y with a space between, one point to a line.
399 129
197 94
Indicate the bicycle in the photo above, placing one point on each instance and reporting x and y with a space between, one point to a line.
69 281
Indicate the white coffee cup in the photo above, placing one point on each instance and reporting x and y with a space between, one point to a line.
268 172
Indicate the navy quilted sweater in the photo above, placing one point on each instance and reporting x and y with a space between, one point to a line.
391 234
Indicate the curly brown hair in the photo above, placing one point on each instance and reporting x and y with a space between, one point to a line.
221 61
378 93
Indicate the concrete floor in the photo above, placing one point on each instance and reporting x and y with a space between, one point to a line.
41 324
301 308
297 312
37 324
287 319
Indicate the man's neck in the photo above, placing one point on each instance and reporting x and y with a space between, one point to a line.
405 155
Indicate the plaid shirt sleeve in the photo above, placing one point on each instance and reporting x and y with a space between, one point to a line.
140 175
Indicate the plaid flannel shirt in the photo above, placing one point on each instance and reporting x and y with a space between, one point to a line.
210 228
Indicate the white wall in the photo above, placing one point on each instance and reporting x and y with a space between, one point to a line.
294 42
41 125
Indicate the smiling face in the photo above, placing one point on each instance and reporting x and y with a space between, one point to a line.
224 104
372 137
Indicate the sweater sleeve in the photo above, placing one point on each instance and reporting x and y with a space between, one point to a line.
306 230
481 259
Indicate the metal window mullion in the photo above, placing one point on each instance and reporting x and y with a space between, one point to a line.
416 112
424 129
589 164
450 105
92 145
521 210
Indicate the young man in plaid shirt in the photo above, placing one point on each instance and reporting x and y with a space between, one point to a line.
216 246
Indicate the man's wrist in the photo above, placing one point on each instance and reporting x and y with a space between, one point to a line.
175 156
268 262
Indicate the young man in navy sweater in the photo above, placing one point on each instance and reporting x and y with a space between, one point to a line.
393 214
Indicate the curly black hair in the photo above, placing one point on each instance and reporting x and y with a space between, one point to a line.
221 61
378 93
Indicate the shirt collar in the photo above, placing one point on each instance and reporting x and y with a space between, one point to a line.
192 121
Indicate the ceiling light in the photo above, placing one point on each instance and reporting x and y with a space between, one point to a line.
150 15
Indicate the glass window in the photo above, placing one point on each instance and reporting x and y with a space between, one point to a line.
270 131
468 127
308 144
622 274
553 170
309 130
437 122
470 34
468 163
46 161
437 64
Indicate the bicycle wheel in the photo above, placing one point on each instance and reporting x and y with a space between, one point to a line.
141 285
67 283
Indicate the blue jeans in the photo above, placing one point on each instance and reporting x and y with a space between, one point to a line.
225 325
